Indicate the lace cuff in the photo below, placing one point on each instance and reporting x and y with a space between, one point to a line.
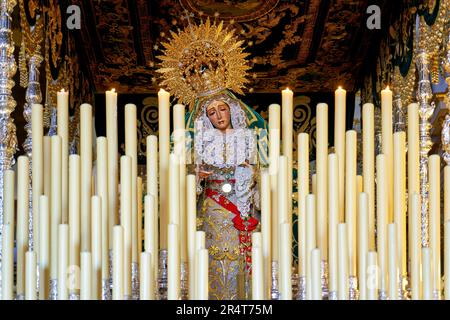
243 189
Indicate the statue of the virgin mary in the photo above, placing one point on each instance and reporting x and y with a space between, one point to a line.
226 142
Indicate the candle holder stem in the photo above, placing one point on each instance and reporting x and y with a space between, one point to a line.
275 293
162 275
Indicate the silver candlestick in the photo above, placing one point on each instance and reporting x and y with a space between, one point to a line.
8 68
275 293
426 110
162 275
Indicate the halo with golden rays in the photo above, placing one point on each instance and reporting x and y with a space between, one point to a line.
202 60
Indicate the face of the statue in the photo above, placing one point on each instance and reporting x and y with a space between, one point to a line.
219 114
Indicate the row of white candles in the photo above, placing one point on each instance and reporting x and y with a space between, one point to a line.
79 230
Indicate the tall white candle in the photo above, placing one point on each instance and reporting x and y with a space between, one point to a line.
22 221
118 254
200 238
446 193
333 211
164 150
427 274
363 244
102 186
369 167
310 239
191 206
37 168
96 246
86 276
316 275
203 274
266 228
400 198
63 260
382 210
30 275
287 114
173 263
7 262
343 262
55 205
393 262
372 276
86 174
47 172
62 118
140 191
174 180
44 248
147 283
113 161
322 174
434 173
151 230
126 221
350 198
285 261
339 142
303 191
274 152
257 274
415 244
283 208
387 144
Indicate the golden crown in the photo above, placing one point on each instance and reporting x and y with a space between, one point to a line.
202 60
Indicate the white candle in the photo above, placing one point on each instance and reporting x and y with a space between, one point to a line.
266 228
283 208
350 198
310 243
363 243
126 221
37 131
140 191
339 142
372 276
446 193
63 260
62 118
47 150
415 244
285 262
369 167
382 210
74 212
86 174
180 151
199 244
333 211
86 276
274 152
191 202
303 191
102 186
343 293
55 205
387 144
131 151
447 260
113 161
30 275
427 274
164 150
44 265
257 274
400 198
287 114
173 263
118 246
7 262
392 262
174 180
321 163
202 274
96 246
434 173
147 284
151 230
316 275
22 221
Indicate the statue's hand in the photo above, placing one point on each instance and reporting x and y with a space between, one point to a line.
204 174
